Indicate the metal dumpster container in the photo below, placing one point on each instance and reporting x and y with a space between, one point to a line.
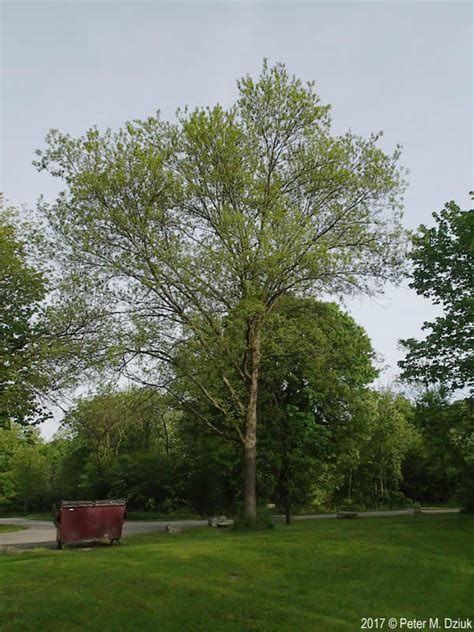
88 520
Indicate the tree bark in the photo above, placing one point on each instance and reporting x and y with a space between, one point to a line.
250 496
250 438
287 510
285 469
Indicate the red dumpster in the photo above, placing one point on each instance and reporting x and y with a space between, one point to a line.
88 520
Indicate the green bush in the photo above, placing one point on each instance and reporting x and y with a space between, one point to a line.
262 521
396 500
390 500
351 505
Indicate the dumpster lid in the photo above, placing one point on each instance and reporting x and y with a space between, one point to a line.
91 503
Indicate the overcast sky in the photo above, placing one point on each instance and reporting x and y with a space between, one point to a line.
403 67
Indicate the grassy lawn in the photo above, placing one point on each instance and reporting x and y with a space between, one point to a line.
6 528
321 575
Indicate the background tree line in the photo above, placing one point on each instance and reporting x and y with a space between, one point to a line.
135 445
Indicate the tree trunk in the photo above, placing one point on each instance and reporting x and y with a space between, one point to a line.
287 510
284 487
349 485
250 455
250 439
285 470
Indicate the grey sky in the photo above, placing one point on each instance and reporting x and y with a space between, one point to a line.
404 67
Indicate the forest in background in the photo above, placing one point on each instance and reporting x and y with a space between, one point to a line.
136 445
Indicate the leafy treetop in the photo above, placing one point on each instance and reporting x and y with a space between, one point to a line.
443 267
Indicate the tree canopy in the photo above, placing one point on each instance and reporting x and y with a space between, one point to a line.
164 229
314 402
22 290
443 271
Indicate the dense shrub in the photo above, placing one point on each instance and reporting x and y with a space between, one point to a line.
262 521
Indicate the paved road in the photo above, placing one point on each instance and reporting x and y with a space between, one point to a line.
43 533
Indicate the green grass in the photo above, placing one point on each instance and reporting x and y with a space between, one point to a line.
321 575
6 528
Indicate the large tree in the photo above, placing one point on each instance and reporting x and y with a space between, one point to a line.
314 401
164 228
443 271
22 290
